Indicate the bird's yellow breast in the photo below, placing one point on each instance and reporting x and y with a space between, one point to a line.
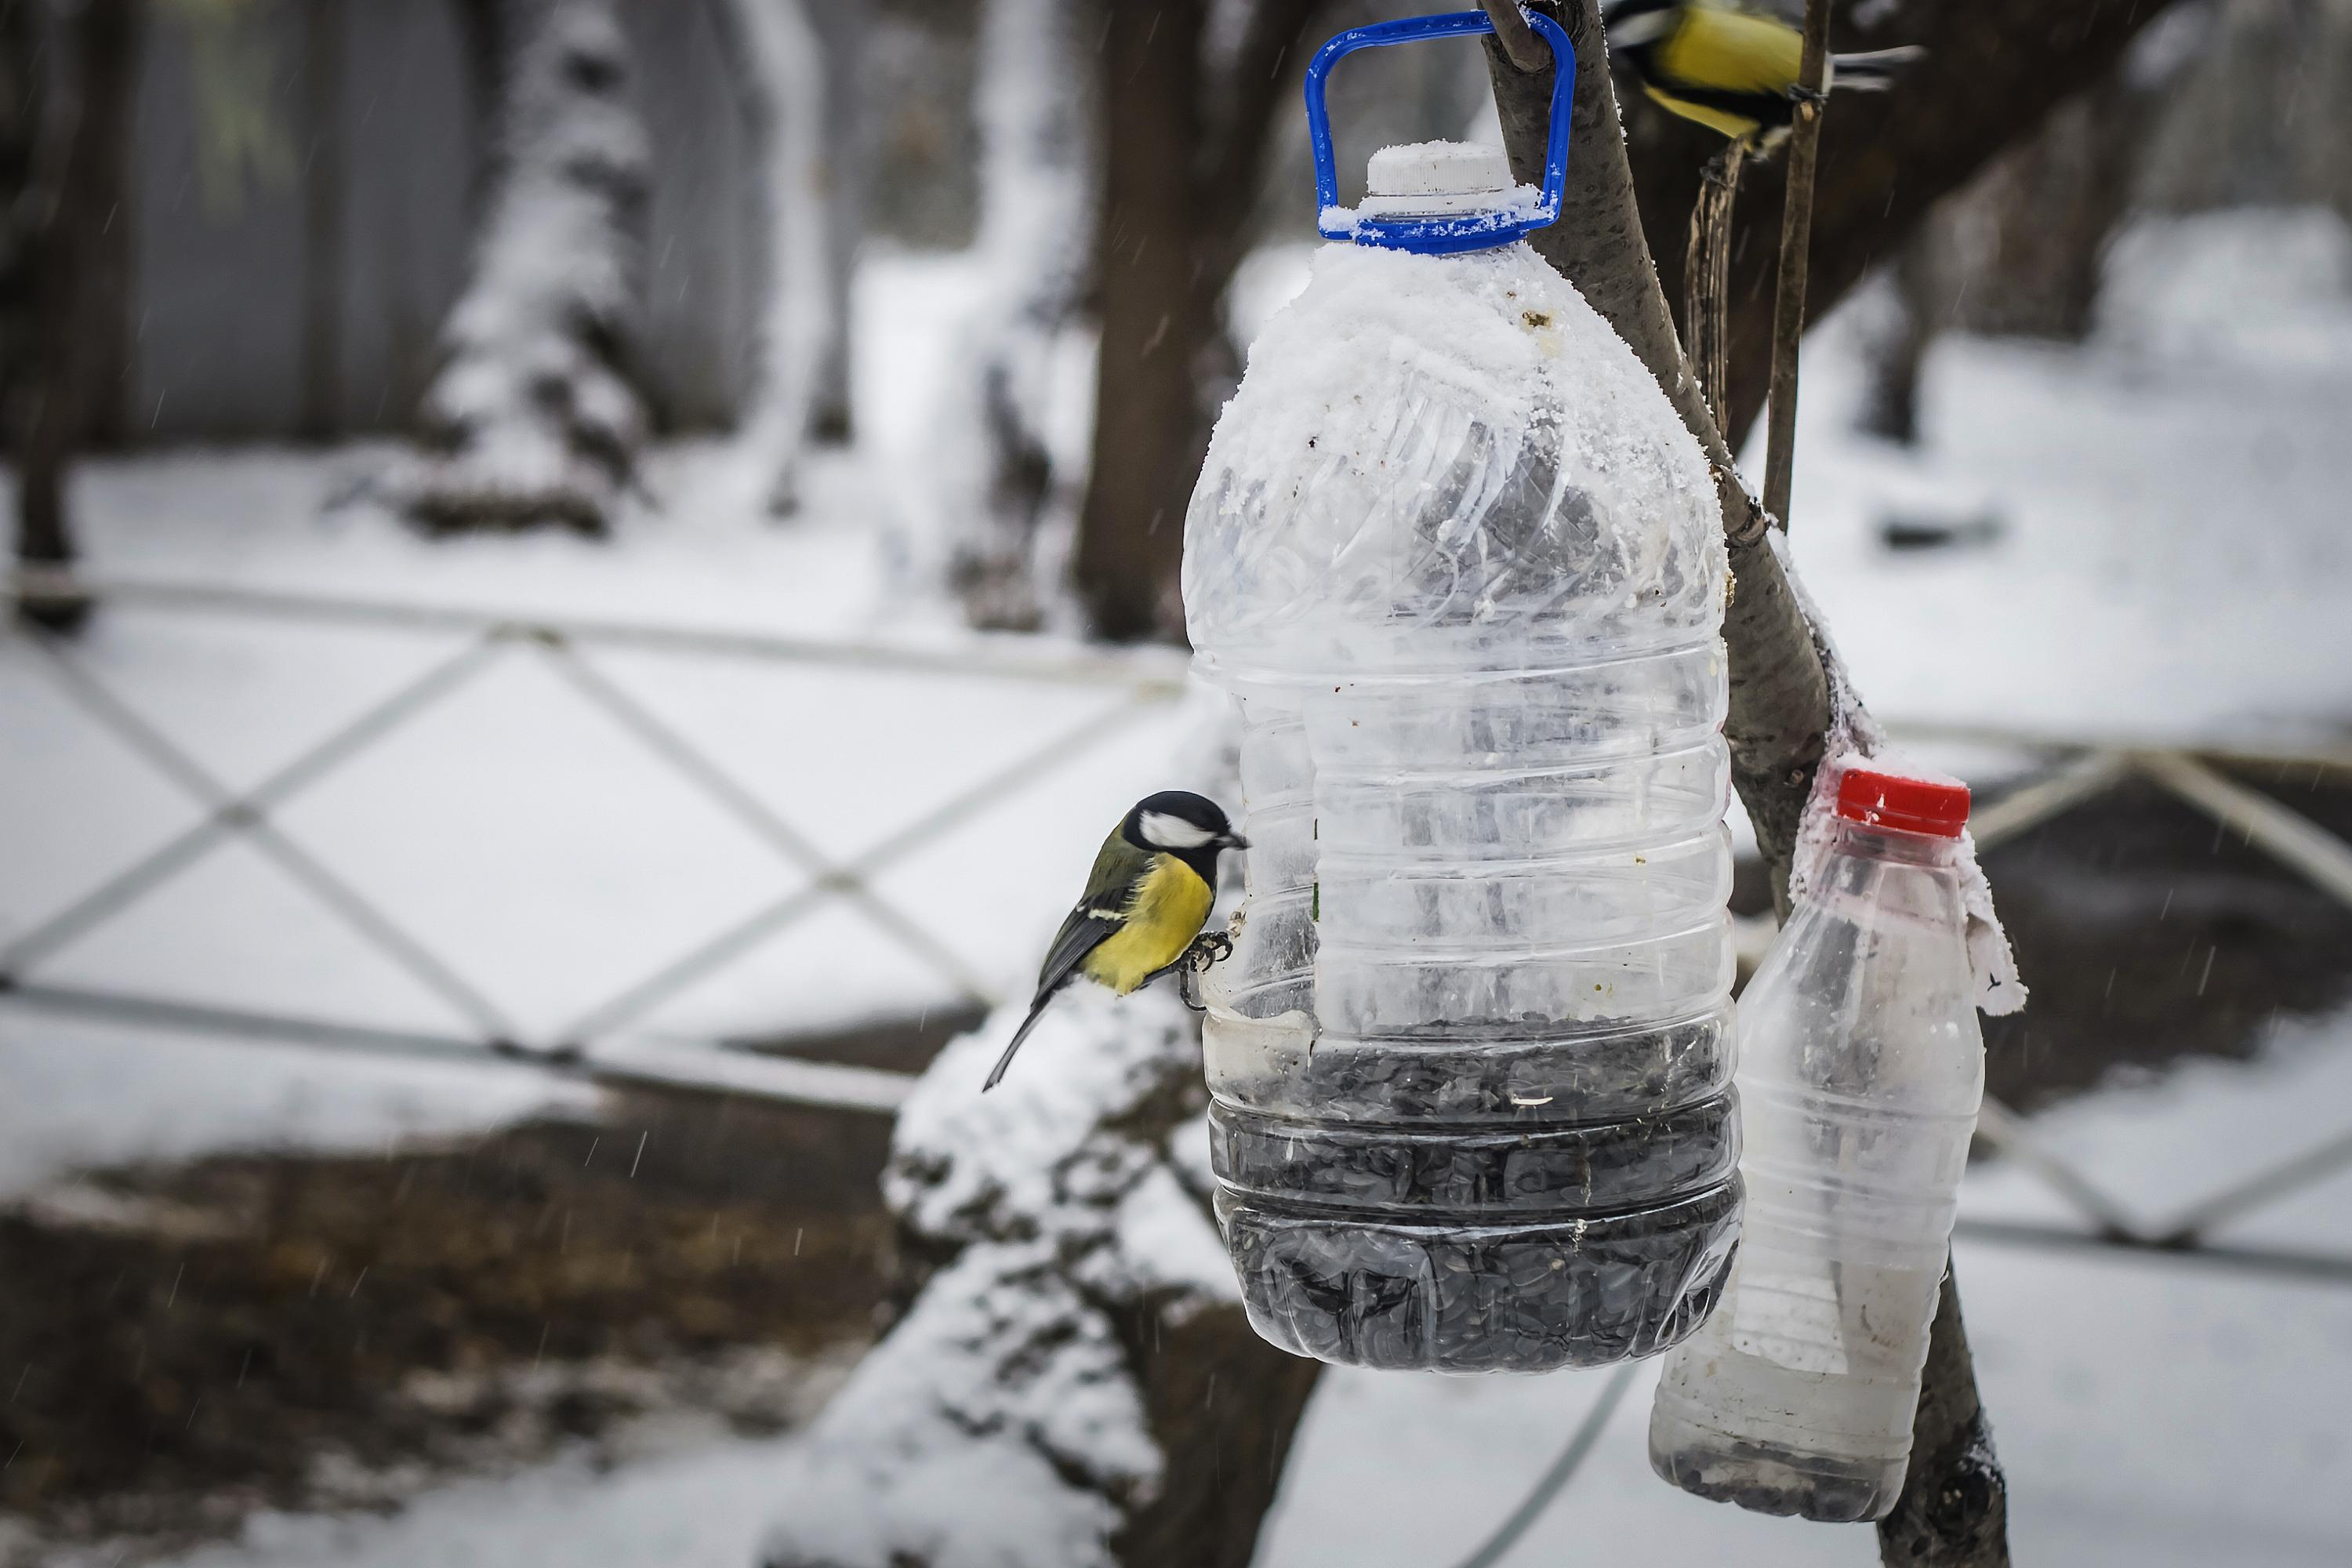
1729 52
1163 917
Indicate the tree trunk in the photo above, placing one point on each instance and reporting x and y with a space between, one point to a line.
2051 208
1954 1510
325 172
1185 154
1897 350
74 287
847 171
21 102
534 412
1148 430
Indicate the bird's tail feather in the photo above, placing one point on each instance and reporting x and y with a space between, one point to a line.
1875 70
1036 1010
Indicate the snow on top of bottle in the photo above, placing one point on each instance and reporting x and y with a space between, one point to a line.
1459 444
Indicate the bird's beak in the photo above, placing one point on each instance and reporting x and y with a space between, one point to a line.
1236 841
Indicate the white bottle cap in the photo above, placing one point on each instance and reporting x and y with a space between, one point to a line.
1431 178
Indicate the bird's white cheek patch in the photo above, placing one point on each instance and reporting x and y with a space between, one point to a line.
1173 832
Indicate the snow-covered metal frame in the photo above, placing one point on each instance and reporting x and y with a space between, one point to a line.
598 1043
1465 231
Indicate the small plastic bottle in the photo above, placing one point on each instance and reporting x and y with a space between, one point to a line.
1860 1073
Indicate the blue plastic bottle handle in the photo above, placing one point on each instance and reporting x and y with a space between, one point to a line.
1459 231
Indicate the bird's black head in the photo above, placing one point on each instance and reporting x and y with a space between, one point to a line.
1189 827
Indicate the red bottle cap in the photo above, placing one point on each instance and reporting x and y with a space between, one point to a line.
1904 800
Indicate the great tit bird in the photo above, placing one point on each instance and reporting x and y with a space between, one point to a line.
1146 898
1731 70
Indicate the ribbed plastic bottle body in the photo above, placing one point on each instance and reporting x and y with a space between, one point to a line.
1861 1074
1471 1055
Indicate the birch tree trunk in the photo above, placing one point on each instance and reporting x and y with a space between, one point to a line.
534 415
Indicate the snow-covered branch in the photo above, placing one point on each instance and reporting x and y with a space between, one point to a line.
1049 1398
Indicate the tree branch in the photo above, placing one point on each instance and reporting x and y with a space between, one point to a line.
1517 39
1796 241
1954 1510
1706 275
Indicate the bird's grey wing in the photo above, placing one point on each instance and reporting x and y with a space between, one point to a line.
1085 931
1088 927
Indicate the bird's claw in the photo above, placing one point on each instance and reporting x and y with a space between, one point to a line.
1207 948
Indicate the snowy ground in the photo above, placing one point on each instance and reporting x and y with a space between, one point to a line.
2169 559
2151 1413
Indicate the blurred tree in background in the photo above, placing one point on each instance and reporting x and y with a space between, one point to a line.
71 255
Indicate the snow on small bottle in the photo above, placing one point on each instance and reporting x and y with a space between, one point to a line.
1461 564
1861 1070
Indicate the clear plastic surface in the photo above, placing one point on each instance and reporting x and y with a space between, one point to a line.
1460 565
1860 1071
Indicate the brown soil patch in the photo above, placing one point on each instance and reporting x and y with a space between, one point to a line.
183 1345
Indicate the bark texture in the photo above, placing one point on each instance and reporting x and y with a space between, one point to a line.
1707 273
1954 1510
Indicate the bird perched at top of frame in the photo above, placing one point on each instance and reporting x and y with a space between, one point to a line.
1731 70
1146 898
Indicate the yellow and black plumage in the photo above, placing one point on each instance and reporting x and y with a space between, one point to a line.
1732 71
1145 901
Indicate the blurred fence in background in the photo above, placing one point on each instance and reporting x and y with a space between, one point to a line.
598 1034
601 1033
